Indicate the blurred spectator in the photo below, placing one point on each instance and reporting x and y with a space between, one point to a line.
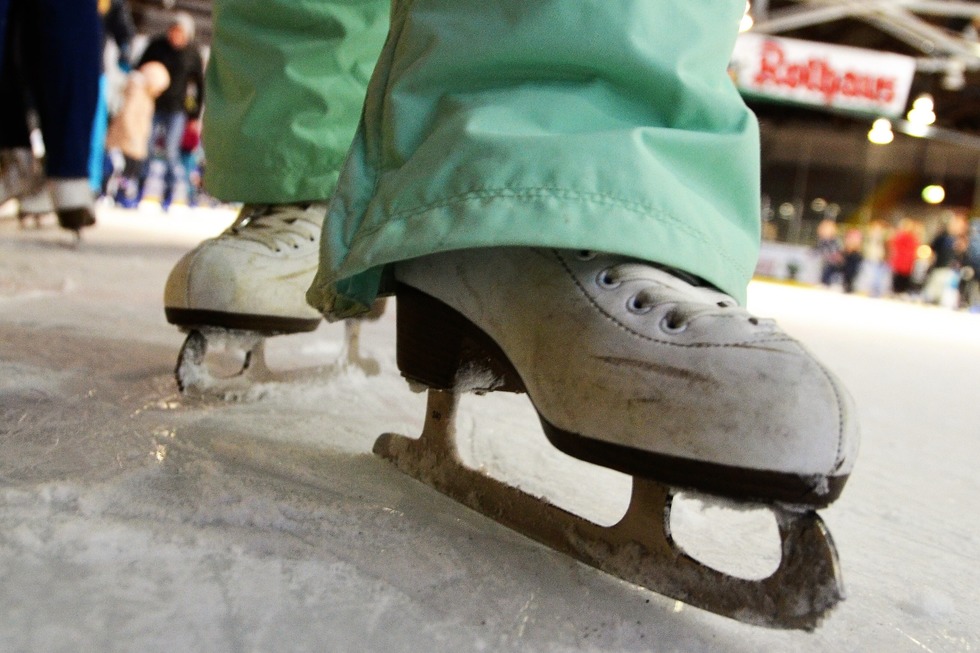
831 251
117 21
970 271
852 258
183 99
875 265
50 62
945 264
902 252
190 157
129 133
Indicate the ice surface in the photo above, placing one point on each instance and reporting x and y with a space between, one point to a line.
135 519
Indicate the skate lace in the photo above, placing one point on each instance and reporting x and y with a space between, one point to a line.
689 298
276 226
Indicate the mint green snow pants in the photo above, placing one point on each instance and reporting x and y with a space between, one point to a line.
285 87
609 125
586 124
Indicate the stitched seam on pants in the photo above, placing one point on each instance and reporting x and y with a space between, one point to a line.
532 192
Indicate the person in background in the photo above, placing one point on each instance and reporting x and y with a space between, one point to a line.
852 258
970 267
944 265
119 24
830 249
117 21
190 162
184 98
902 252
127 140
874 251
50 63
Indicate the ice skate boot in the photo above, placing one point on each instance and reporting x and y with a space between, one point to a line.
34 207
22 178
21 173
645 371
73 204
245 285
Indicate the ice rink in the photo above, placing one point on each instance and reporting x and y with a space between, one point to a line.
136 519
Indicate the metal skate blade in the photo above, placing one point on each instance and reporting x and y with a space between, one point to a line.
351 354
640 548
192 372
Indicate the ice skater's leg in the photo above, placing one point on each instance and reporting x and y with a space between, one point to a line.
501 148
564 200
69 64
285 85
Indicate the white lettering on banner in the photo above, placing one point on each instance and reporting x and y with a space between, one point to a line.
817 73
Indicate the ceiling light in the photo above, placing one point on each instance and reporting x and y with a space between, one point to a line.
881 132
933 194
921 113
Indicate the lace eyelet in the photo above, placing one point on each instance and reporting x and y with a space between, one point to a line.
585 255
670 324
607 281
637 307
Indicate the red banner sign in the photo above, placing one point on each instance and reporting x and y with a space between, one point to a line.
820 74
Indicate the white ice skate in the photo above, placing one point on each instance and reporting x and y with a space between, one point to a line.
638 369
245 285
